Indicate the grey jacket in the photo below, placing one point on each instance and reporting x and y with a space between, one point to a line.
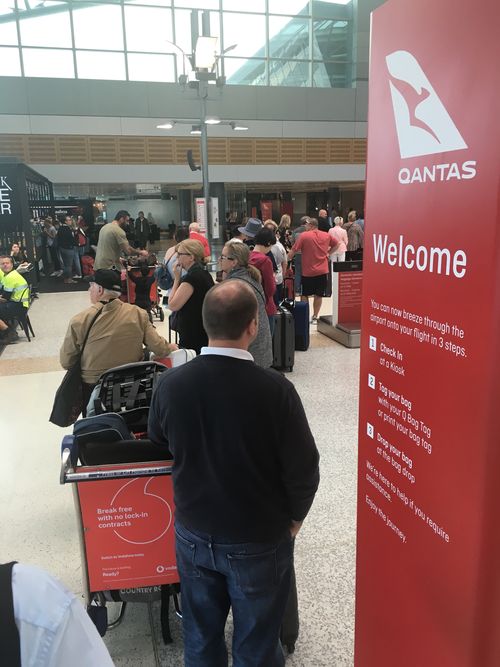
262 347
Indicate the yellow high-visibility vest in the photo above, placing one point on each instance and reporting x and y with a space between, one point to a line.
14 283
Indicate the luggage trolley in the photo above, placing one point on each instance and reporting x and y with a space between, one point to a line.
123 498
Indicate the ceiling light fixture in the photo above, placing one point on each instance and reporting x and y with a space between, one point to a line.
167 125
212 121
237 127
196 129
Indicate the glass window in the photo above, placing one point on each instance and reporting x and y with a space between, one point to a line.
146 67
182 20
331 40
7 7
198 4
244 72
257 6
26 5
294 7
248 31
159 3
148 29
10 63
289 37
332 10
332 75
98 27
289 73
51 30
53 63
100 65
8 33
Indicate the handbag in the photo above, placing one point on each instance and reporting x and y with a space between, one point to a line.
68 401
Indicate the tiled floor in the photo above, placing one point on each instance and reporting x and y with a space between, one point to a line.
37 523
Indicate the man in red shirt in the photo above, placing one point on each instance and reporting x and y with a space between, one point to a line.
194 233
315 246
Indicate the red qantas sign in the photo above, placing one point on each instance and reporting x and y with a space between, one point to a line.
428 550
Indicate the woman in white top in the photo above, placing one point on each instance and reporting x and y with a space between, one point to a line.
340 235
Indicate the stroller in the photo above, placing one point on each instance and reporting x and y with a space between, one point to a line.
141 288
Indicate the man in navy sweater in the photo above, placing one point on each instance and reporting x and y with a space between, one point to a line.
242 490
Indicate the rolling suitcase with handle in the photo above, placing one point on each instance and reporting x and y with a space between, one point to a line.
284 341
300 312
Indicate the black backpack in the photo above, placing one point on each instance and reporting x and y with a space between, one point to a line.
163 277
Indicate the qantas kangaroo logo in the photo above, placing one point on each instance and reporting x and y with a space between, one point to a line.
423 125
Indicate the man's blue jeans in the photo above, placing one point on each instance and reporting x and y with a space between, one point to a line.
252 578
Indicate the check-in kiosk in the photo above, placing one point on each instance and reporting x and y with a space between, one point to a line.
344 324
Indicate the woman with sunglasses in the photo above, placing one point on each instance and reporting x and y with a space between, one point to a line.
235 266
188 293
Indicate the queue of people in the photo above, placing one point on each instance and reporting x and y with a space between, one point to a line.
242 487
235 535
250 506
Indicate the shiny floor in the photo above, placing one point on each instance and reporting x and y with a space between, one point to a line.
37 520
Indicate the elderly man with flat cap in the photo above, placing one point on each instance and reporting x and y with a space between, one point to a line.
117 332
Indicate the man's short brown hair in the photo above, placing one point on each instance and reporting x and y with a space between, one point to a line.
228 309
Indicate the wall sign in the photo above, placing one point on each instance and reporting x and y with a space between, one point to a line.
5 196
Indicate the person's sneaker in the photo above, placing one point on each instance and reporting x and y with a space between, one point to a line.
314 319
79 277
54 274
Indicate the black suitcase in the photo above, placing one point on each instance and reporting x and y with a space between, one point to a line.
284 341
300 312
301 319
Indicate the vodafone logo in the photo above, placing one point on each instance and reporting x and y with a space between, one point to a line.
423 124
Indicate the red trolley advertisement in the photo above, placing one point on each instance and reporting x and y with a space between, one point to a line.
128 528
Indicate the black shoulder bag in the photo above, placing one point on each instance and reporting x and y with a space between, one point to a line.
68 401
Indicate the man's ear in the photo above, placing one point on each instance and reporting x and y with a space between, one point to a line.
253 327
